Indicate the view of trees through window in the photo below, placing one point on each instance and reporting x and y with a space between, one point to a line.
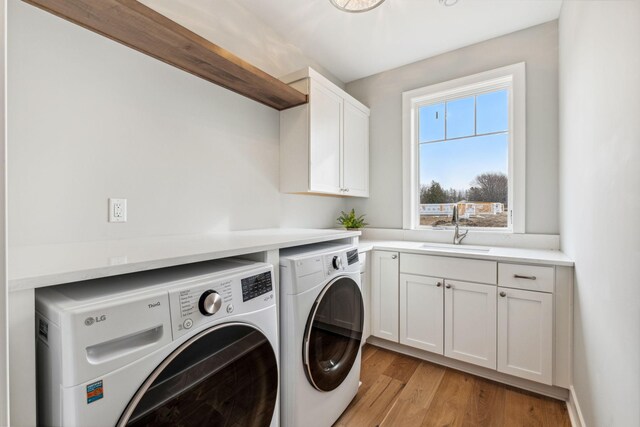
464 161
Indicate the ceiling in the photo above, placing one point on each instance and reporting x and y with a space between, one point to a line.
399 32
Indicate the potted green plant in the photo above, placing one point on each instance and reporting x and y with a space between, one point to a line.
351 221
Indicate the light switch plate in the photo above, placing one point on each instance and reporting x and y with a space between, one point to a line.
117 210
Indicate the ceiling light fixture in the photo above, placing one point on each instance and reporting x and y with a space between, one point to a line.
356 6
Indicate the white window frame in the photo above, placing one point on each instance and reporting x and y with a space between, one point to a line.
511 77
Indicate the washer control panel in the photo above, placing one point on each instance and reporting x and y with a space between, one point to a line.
195 305
340 261
209 299
256 285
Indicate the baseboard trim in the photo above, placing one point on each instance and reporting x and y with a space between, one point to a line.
543 389
573 407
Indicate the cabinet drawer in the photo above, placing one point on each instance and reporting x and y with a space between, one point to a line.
530 277
470 270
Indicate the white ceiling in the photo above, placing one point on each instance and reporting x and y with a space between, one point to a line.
352 46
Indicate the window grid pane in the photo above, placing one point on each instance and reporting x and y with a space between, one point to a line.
433 129
468 167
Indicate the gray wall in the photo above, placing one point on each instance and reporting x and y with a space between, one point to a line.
91 119
239 30
600 163
538 47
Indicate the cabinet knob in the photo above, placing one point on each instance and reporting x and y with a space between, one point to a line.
438 284
394 256
503 294
346 189
448 286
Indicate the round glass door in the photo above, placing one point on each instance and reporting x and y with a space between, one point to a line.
224 376
333 334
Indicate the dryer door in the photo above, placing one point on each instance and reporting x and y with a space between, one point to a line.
226 375
333 334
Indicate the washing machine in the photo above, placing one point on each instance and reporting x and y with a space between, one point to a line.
184 346
321 324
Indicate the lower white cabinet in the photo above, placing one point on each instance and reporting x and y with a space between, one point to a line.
470 322
501 327
421 312
384 295
525 334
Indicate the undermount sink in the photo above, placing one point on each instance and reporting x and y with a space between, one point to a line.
456 248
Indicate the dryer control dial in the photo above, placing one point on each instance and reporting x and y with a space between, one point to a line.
210 302
337 262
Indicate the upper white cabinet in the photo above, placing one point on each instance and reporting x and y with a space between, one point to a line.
325 116
324 144
355 150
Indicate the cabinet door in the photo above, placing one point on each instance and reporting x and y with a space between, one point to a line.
470 322
421 312
525 334
384 295
355 150
325 136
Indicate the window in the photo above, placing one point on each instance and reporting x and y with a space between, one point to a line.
464 146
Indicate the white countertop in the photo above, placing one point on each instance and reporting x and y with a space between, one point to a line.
46 265
531 256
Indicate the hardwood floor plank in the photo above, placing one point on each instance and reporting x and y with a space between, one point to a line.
486 405
375 361
451 400
523 411
402 368
374 405
401 391
374 366
556 413
367 351
412 403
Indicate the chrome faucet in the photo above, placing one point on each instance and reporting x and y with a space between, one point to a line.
457 237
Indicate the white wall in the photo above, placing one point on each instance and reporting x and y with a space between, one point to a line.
4 356
91 119
600 162
537 46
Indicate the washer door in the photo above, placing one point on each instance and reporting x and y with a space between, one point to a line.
333 334
224 376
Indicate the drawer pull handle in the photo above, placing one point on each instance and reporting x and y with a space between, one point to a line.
438 284
503 294
448 286
519 276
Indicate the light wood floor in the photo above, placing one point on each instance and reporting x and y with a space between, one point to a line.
402 391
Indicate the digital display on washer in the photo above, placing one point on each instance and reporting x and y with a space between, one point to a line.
255 286
352 256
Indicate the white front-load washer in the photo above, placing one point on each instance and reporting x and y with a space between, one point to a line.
321 324
195 345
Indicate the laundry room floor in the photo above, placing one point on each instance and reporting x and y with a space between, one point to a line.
399 390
